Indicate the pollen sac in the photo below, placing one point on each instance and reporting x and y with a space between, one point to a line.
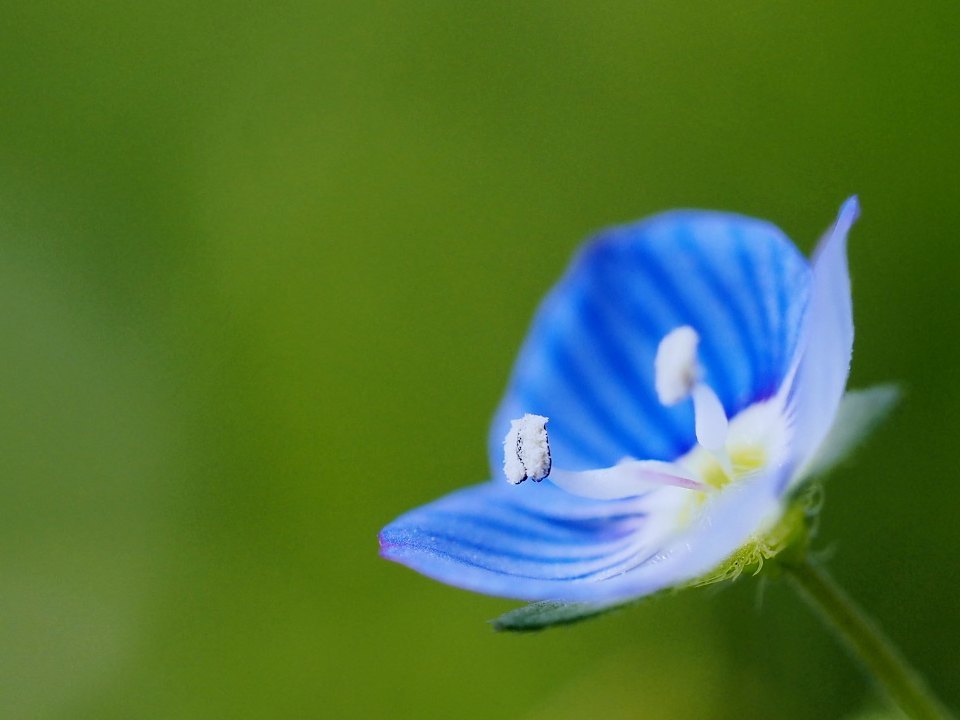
676 367
526 450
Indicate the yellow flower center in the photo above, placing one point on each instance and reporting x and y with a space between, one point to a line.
755 440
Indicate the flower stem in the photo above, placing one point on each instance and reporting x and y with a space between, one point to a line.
865 641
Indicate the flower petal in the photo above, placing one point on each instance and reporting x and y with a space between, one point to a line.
536 542
529 542
734 517
822 361
588 362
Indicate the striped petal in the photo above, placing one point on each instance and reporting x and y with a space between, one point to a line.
822 362
588 360
528 542
531 543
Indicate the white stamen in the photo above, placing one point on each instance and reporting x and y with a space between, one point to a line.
710 419
526 450
678 375
629 478
676 368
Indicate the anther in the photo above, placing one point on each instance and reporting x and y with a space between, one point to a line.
526 450
676 368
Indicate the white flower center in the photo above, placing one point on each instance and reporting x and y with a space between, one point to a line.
726 451
757 439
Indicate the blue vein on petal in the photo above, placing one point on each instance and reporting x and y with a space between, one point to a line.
785 346
559 436
612 524
556 535
561 536
538 578
664 282
622 438
667 421
588 384
766 364
584 522
578 384
672 441
515 554
492 569
733 315
598 291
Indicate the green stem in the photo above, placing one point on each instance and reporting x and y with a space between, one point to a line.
865 641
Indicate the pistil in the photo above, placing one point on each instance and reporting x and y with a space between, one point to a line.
679 375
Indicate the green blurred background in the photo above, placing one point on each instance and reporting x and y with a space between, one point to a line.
263 271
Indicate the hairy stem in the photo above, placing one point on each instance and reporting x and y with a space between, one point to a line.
865 641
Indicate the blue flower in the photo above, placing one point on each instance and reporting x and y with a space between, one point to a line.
672 393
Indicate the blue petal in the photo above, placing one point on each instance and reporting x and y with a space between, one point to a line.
528 542
587 363
826 341
534 542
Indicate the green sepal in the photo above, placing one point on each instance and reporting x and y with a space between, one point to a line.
548 613
790 535
859 414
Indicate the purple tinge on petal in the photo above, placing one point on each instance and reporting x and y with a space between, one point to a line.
588 360
826 342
